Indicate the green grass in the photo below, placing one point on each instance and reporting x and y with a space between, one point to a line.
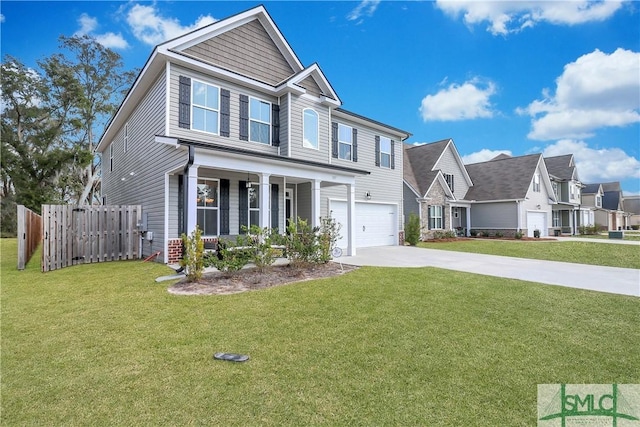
626 256
626 236
104 344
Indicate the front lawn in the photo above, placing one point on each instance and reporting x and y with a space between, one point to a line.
593 253
104 344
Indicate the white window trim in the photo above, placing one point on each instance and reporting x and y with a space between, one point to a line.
204 107
111 157
536 183
260 121
126 137
216 208
555 219
250 209
598 201
350 143
304 144
385 152
434 218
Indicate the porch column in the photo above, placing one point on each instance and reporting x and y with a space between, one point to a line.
351 220
265 200
191 204
468 209
315 203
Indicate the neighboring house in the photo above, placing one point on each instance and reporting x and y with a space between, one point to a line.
631 206
568 214
224 128
511 194
612 214
592 195
435 183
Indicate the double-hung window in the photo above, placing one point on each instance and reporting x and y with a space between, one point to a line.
111 157
598 201
126 137
254 205
205 107
435 217
449 179
207 206
536 183
345 141
310 128
556 218
385 152
259 121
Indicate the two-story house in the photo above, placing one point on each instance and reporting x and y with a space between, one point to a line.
568 214
607 202
435 183
224 127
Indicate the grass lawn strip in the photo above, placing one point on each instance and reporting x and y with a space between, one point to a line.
104 344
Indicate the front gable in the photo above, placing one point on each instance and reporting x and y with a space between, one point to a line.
450 163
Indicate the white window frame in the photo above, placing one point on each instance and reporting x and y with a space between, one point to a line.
556 219
250 209
216 208
436 213
345 143
194 105
260 120
385 154
448 177
126 137
536 183
111 157
572 191
305 141
555 189
598 201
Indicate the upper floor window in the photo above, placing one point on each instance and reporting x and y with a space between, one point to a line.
449 178
126 137
205 107
111 157
345 141
536 183
310 128
598 201
259 121
572 191
385 152
555 189
207 206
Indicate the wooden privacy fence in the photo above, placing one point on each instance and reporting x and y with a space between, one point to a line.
29 234
83 234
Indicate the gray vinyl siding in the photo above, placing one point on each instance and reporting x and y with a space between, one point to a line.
449 165
536 201
303 197
234 123
247 50
298 104
284 125
311 86
138 176
410 204
494 215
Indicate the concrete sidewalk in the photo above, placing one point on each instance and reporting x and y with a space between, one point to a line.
624 281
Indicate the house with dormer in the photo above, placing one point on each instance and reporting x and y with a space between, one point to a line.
568 213
225 128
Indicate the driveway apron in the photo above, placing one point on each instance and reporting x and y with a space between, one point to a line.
624 281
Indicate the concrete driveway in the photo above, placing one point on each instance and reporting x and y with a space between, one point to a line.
624 281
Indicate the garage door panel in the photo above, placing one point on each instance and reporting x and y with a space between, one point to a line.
536 221
375 225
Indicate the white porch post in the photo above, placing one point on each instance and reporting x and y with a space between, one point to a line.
351 220
468 221
315 203
192 199
265 200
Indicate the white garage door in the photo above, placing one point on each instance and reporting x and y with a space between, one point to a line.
376 223
536 221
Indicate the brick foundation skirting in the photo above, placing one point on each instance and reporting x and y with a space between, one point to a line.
175 248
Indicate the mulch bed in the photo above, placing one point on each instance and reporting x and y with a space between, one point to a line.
250 279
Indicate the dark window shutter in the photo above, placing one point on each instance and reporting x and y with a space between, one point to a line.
444 217
224 206
243 204
377 150
275 205
244 117
184 103
429 217
354 154
393 155
334 140
225 101
275 125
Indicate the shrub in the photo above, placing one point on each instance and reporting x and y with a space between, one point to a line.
499 234
449 234
193 259
260 251
327 238
473 233
485 233
635 227
518 235
230 257
412 229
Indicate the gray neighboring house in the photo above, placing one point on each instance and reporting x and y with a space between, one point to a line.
225 127
568 214
631 206
612 213
435 185
511 194
592 195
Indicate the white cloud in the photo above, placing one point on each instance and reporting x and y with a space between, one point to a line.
506 17
596 164
89 24
597 90
152 28
470 100
365 8
483 156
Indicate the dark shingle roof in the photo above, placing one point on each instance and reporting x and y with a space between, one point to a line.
560 167
507 178
632 204
419 161
612 197
590 188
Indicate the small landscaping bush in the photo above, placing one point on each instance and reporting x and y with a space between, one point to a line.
519 235
449 234
412 229
473 233
588 229
193 259
306 244
484 233
230 257
499 234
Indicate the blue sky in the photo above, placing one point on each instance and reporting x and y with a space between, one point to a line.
505 76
